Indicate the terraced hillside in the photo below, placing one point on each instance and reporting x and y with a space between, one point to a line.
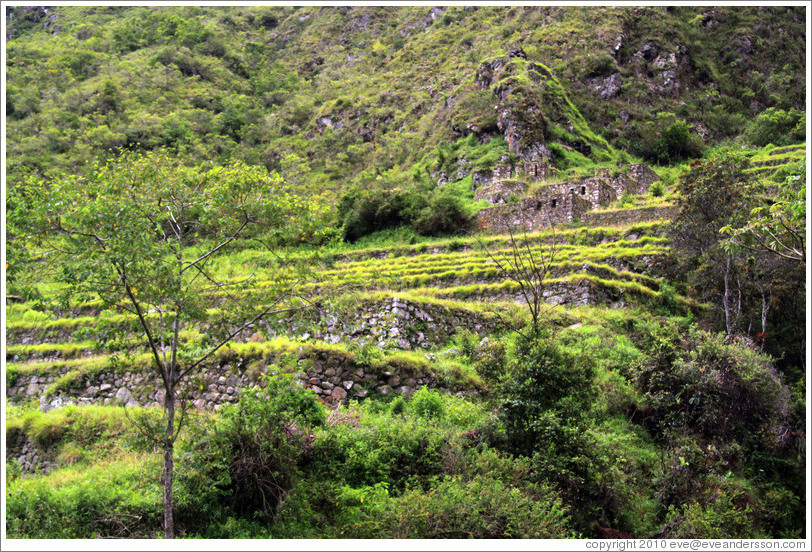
408 298
423 272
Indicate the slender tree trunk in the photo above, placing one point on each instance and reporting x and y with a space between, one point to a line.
726 300
765 307
169 462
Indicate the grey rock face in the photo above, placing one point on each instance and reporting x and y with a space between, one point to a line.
123 395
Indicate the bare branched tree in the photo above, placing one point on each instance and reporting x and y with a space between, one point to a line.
529 267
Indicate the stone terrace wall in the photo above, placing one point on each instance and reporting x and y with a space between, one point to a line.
526 215
335 376
390 323
642 177
626 216
500 191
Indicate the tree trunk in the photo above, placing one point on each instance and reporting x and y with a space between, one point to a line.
765 307
169 462
726 300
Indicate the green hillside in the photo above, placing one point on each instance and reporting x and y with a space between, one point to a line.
377 272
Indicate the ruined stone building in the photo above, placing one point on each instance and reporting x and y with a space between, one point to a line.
554 203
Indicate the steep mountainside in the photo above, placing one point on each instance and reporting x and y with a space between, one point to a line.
370 94
461 272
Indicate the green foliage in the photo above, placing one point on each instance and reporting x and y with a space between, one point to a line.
632 420
779 227
398 451
483 507
668 140
656 189
545 381
364 212
490 361
248 458
777 127
445 214
427 403
723 392
728 516
107 500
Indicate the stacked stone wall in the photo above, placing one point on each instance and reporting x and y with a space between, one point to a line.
533 213
392 323
500 191
334 376
642 177
627 216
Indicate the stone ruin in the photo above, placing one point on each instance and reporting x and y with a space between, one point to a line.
554 203
508 180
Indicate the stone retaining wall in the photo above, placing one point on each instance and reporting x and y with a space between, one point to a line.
628 216
533 213
335 376
387 323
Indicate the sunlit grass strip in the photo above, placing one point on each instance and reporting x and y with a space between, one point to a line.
431 252
15 371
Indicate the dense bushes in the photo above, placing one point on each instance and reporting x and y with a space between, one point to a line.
662 431
667 140
722 392
362 212
457 508
249 457
108 500
777 127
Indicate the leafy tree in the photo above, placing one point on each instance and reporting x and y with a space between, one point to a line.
714 192
778 227
143 234
668 140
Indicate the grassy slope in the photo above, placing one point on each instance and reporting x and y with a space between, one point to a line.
260 83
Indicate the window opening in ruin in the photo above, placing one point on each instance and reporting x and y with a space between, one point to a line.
583 190
553 203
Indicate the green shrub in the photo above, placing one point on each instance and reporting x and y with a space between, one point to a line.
398 451
482 507
248 458
445 214
726 517
777 126
626 199
107 500
397 406
545 378
428 403
363 212
490 361
722 391
465 339
656 189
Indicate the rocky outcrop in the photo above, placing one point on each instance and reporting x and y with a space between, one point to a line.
530 102
605 87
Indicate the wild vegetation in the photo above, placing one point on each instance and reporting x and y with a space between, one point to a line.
238 237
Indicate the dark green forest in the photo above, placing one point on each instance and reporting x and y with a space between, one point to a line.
302 272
